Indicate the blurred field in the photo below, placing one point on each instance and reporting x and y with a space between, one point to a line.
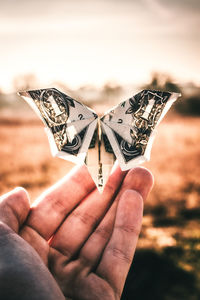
167 260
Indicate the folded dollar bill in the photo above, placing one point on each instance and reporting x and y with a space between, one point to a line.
76 133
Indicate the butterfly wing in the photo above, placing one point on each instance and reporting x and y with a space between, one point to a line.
130 127
70 125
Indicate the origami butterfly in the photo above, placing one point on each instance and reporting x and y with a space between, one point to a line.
77 134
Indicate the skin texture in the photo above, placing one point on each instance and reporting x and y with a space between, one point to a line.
73 242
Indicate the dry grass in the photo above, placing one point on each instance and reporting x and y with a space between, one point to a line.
175 160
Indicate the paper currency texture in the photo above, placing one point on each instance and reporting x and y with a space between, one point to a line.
76 133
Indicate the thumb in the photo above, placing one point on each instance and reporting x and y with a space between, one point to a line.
14 208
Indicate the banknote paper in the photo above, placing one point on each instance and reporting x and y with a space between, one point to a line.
76 133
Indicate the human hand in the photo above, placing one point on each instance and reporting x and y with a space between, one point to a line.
86 239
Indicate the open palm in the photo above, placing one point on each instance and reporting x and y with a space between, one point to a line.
86 239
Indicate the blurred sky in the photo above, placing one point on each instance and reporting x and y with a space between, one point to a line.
93 41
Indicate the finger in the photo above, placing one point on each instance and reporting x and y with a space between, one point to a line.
119 252
138 179
51 208
81 222
14 208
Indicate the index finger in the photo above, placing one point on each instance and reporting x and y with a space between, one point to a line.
51 208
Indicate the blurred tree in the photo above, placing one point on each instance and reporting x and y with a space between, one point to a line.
189 105
162 82
111 90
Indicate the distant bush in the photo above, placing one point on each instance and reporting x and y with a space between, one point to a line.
162 82
188 105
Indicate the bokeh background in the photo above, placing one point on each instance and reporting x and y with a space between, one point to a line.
102 52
